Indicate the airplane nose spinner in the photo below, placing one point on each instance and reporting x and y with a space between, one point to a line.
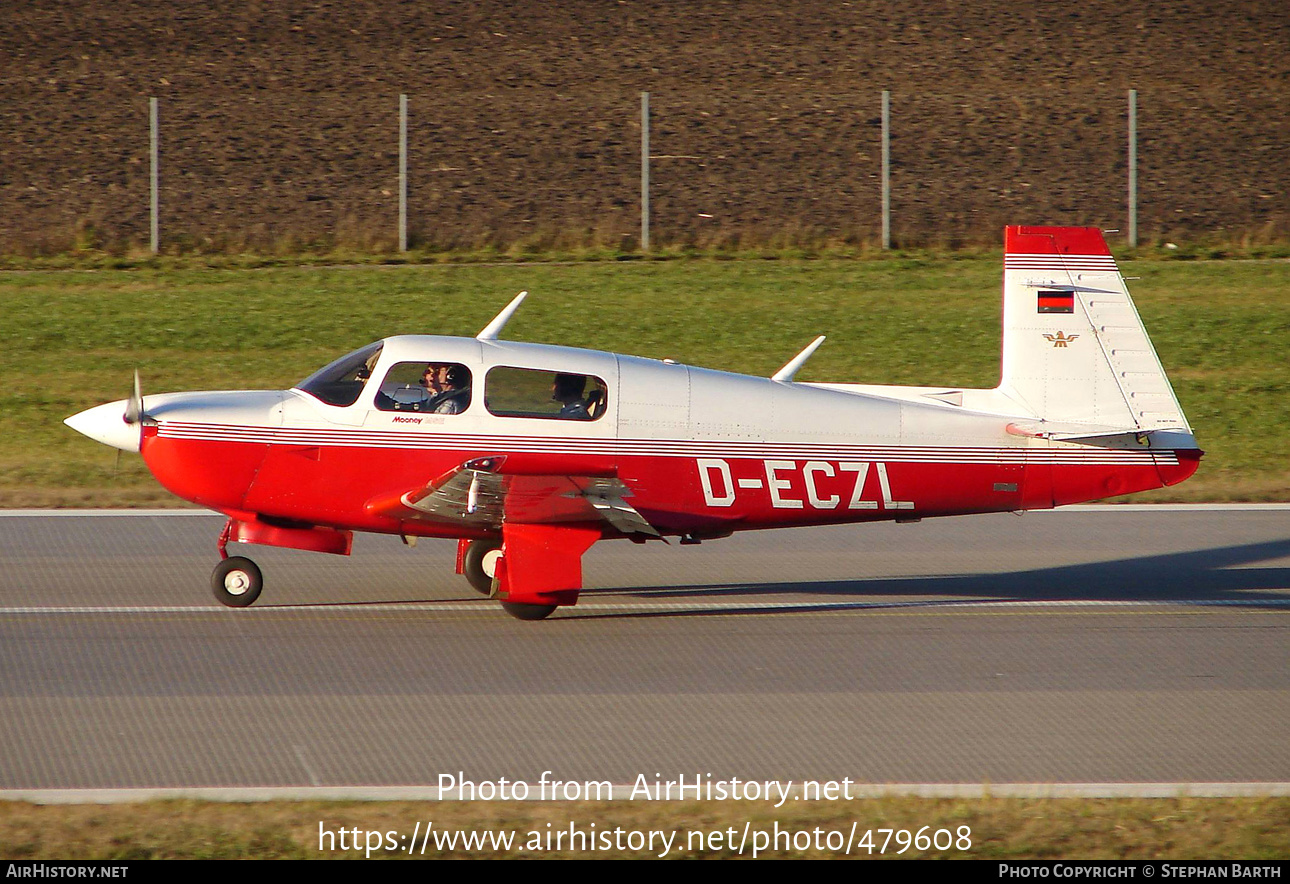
119 424
107 424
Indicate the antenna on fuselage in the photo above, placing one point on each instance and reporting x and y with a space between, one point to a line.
786 373
494 328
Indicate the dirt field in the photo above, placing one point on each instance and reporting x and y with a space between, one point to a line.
279 120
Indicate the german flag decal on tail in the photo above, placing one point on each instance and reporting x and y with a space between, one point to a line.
1056 302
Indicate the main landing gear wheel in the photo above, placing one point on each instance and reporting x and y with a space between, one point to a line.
522 611
237 582
480 564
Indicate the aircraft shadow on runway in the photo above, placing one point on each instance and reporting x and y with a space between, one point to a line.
1210 576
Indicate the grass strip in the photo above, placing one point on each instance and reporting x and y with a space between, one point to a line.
72 338
1000 828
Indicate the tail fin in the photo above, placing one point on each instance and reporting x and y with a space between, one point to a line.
1074 349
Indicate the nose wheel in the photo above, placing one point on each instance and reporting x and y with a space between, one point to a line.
236 582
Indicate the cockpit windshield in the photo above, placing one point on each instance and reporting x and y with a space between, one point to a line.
340 382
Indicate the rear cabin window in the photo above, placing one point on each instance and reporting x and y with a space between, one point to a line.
526 392
425 387
339 383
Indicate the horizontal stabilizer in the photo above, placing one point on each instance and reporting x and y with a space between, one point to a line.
1064 430
1120 438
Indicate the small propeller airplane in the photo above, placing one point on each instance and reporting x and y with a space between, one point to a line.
528 453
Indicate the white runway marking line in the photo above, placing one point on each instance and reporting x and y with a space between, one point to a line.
249 794
484 605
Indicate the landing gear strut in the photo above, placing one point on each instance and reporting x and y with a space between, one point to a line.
236 582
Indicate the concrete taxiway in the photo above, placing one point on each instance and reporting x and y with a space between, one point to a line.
1092 645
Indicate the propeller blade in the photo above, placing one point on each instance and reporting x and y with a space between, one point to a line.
134 407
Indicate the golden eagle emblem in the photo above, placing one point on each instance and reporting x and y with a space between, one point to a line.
1061 339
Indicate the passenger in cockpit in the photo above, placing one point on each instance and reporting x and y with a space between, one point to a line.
567 390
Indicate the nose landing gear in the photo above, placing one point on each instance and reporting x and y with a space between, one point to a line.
236 580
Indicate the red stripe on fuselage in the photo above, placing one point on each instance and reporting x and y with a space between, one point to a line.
331 485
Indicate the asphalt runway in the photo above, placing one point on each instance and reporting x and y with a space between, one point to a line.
1090 645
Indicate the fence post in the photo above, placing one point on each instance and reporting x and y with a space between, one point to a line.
1133 168
154 226
403 172
644 171
886 169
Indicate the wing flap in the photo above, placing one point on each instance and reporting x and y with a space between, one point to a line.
484 499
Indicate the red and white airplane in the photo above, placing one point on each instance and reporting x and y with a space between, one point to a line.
529 453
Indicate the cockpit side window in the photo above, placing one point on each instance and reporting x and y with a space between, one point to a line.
425 387
525 392
340 383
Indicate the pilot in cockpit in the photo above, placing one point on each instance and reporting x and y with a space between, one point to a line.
451 389
438 388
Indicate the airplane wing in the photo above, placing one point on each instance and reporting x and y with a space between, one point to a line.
485 498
